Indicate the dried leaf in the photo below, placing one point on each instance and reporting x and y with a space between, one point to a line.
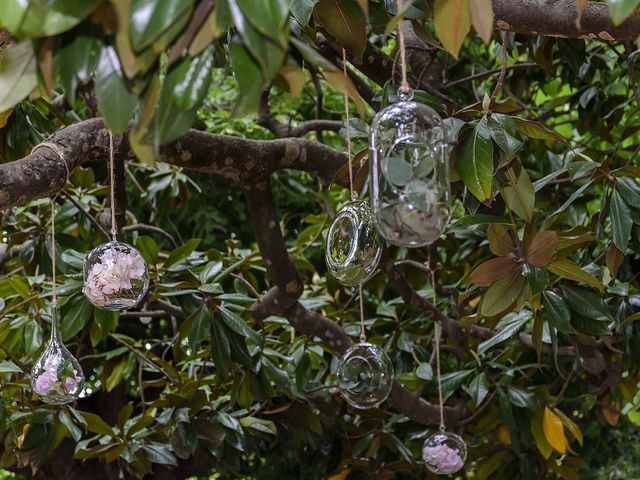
614 260
482 18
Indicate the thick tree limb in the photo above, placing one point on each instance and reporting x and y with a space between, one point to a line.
557 18
247 162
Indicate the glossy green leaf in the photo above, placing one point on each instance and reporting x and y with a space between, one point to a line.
570 270
43 18
537 277
76 62
478 388
194 84
149 19
621 221
519 194
502 129
200 327
502 294
621 9
220 348
629 190
474 162
182 252
586 302
159 453
424 371
269 17
521 397
556 312
302 10
75 318
453 380
249 76
18 77
238 324
115 102
506 328
32 336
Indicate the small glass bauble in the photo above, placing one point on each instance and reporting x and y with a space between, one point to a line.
365 375
116 276
57 377
409 173
444 453
353 244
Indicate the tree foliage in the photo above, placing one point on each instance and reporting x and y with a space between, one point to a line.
536 277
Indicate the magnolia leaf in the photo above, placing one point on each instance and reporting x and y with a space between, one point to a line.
534 129
519 194
482 18
574 430
452 21
18 77
621 9
571 271
539 437
500 241
542 247
474 162
614 260
621 221
344 84
492 270
506 329
554 431
629 190
343 25
556 312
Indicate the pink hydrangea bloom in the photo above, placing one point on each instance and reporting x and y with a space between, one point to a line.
70 384
443 458
113 274
45 382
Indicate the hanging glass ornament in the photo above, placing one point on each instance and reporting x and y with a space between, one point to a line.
116 276
57 377
444 453
353 244
365 375
409 173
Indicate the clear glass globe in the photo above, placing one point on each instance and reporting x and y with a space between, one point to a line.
353 246
409 173
444 453
57 377
116 276
365 375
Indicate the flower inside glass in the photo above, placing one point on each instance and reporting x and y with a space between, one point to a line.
116 276
444 453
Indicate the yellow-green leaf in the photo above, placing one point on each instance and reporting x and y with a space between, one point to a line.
18 76
452 20
343 84
538 436
343 25
554 431
500 241
4 117
519 194
571 271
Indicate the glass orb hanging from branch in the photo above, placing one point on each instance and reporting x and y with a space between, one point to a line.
116 276
409 173
56 377
444 453
353 245
365 375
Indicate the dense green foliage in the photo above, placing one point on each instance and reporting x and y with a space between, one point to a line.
545 187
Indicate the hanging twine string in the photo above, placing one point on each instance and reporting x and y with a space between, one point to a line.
404 86
114 228
354 195
60 155
363 335
436 340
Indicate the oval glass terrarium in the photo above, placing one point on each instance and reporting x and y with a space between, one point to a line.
409 173
57 377
365 375
444 453
115 276
353 246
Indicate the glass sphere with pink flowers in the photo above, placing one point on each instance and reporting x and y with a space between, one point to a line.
444 453
116 276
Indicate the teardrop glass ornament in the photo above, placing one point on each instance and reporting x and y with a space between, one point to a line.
57 377
365 375
444 453
353 245
116 276
409 173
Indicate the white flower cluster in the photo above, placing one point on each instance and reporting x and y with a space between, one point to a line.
113 275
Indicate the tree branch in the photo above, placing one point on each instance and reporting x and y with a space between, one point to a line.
247 162
557 18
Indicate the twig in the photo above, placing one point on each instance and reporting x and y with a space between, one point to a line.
150 228
503 72
84 212
488 73
143 357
